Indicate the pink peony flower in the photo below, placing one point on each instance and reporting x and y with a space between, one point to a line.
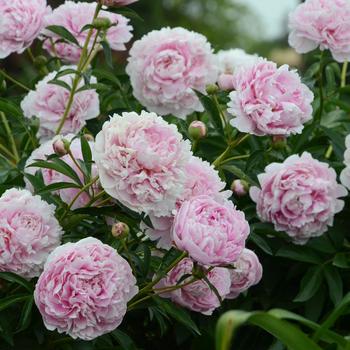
299 196
345 174
74 16
117 2
196 296
29 232
212 232
84 289
20 23
51 176
247 272
269 100
48 103
166 65
324 24
201 178
141 161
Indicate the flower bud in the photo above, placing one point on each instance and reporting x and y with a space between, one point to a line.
3 85
212 89
240 187
279 142
197 130
40 61
225 82
89 137
61 146
120 229
101 23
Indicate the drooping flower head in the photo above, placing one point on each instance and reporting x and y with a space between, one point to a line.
166 65
247 272
84 289
197 296
213 232
51 176
299 196
74 16
324 24
20 23
141 161
49 101
29 232
269 101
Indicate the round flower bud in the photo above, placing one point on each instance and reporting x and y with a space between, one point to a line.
89 137
240 187
120 229
61 146
3 85
225 82
279 142
212 89
40 61
101 23
197 130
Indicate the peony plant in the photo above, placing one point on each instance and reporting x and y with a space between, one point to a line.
141 200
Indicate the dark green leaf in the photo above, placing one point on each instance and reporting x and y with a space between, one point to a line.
310 284
63 33
13 278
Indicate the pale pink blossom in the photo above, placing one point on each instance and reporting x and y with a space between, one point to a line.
247 272
212 232
141 161
324 24
74 16
49 101
29 232
166 65
201 178
51 176
20 23
299 196
269 101
197 296
84 289
345 174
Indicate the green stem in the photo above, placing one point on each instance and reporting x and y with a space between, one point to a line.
10 136
30 54
83 63
329 152
13 80
96 198
222 116
343 74
75 162
235 158
320 81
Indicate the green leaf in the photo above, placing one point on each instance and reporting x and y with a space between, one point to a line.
299 253
240 174
9 108
108 53
13 299
13 278
87 155
24 320
310 284
261 243
60 83
335 284
124 340
56 186
63 33
64 72
288 334
342 260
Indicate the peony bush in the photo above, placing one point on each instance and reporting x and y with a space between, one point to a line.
166 196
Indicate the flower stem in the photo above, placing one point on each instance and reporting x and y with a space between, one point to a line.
10 136
13 80
343 74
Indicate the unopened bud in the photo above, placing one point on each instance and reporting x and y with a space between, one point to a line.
240 187
120 229
89 137
101 23
197 130
212 89
225 82
279 142
61 146
40 61
3 85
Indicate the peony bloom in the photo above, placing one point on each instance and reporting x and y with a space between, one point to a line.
247 272
201 178
74 16
117 2
51 176
213 232
196 296
29 232
48 103
166 65
299 196
324 24
229 62
141 161
20 23
84 289
345 174
269 100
